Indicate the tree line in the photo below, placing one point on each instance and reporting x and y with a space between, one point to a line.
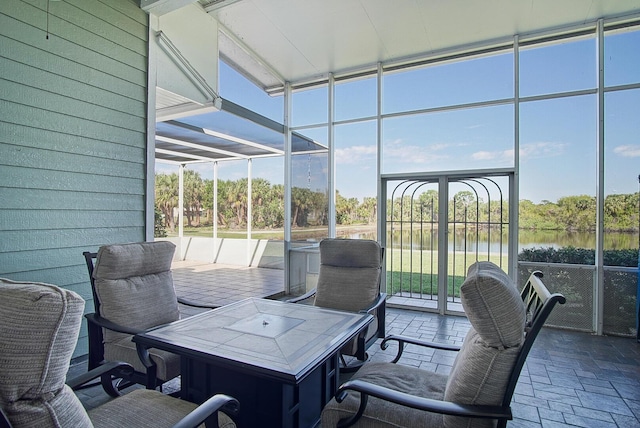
267 205
309 208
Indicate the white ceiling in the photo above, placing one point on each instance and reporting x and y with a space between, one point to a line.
303 40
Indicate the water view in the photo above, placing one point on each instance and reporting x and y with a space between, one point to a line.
527 239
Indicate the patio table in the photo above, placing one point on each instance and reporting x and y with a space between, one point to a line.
279 359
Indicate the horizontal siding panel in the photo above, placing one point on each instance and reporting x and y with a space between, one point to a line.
129 8
35 37
63 86
60 180
55 122
74 278
82 346
55 256
13 220
36 158
29 96
113 26
62 28
44 139
55 65
16 198
126 16
73 143
31 240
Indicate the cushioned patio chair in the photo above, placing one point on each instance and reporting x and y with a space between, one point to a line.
133 291
39 326
479 388
349 280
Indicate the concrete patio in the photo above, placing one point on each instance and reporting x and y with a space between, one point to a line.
570 378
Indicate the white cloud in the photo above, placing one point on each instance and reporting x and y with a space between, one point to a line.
502 155
628 151
484 155
397 151
541 149
354 154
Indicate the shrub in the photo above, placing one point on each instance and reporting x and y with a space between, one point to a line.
580 256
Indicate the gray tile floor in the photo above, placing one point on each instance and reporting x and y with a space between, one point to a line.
570 378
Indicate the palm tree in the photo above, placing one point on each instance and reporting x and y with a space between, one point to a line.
166 197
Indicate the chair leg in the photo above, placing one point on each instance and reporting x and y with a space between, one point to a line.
352 366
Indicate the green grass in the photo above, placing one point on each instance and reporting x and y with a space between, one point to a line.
418 274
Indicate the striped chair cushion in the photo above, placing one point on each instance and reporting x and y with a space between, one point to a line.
482 368
349 274
135 287
39 326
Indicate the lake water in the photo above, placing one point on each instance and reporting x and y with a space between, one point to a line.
527 239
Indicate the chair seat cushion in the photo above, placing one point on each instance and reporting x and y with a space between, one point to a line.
146 408
380 413
168 364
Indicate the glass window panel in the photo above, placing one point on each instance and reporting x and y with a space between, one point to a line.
622 166
473 80
267 187
310 106
197 201
356 99
558 172
309 190
475 138
236 88
561 67
232 198
622 58
356 179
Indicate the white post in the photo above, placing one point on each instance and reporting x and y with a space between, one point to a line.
215 211
181 209
249 211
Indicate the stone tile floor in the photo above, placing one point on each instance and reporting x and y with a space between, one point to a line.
570 378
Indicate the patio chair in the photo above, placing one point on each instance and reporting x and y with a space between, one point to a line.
479 388
39 326
133 291
349 280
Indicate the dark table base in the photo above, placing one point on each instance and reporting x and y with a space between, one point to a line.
264 401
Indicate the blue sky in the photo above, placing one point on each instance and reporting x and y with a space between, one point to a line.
557 136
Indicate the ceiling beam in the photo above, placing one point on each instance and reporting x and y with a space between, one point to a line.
161 7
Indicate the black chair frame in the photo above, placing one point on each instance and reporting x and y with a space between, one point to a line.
378 308
205 413
539 303
95 323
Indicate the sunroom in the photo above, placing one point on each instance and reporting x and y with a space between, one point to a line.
450 132
418 133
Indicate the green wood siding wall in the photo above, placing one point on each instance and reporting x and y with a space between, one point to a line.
72 136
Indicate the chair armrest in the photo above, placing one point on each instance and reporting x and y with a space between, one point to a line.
4 420
380 300
122 369
193 304
225 403
109 325
427 404
402 340
305 296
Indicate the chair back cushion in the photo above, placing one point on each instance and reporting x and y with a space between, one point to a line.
135 287
482 368
39 326
349 277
